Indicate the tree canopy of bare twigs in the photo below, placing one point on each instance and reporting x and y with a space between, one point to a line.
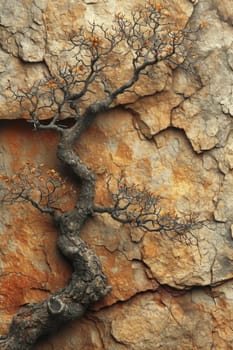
148 37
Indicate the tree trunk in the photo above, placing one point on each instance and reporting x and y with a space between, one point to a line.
88 284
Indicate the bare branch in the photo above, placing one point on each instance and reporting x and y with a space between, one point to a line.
82 87
140 208
146 37
44 189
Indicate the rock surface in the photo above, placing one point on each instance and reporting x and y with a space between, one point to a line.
176 140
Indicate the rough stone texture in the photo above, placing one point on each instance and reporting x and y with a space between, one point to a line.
177 141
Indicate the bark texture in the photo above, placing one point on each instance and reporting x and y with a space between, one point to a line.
191 169
88 283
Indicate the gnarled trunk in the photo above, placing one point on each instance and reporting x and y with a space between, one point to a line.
88 284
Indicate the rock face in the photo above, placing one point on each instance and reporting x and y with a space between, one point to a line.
176 140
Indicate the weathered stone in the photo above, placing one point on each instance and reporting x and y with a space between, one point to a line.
165 319
40 34
22 29
224 209
176 141
30 264
225 11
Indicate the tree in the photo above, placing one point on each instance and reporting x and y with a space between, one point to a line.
148 37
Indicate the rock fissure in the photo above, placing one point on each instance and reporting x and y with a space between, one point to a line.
188 178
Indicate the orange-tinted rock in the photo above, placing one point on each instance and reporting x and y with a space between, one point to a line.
30 263
176 141
162 319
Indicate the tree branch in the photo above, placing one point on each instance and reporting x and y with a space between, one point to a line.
140 209
147 37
